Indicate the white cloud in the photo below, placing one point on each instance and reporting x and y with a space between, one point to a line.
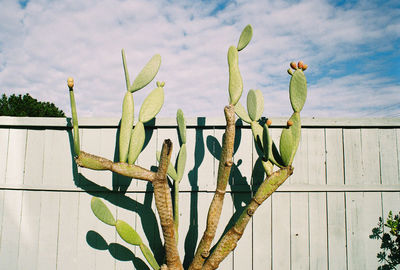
48 41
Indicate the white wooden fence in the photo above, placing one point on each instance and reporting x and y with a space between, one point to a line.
346 176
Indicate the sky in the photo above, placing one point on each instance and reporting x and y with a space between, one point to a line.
351 49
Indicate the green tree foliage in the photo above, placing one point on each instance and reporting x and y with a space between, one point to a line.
27 106
389 255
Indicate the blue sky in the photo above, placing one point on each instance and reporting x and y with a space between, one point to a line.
351 48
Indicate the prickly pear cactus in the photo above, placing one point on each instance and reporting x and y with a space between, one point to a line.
132 138
290 136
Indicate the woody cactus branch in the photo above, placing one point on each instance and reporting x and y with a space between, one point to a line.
163 201
229 241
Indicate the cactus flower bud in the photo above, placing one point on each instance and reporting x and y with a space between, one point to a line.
70 82
290 72
160 84
300 64
304 67
293 65
289 123
269 122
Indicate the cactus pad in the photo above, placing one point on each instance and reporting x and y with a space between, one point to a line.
245 37
181 125
126 126
151 105
258 134
298 90
137 141
242 113
127 233
290 139
147 74
180 164
149 256
235 79
255 104
101 211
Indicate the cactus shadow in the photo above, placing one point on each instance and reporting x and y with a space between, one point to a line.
193 175
117 251
120 199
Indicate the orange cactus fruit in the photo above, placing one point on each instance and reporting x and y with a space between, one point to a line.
304 67
269 122
293 65
300 64
289 123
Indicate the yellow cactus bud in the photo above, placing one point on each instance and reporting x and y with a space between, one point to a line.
70 82
290 72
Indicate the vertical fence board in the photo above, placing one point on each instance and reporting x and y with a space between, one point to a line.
57 168
389 163
262 238
299 238
337 254
16 156
4 133
33 175
281 252
241 181
9 248
317 201
29 235
49 230
68 231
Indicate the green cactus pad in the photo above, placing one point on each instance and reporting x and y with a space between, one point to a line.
180 119
258 134
245 37
180 164
75 125
275 157
171 170
136 143
127 233
126 126
298 90
101 211
149 256
235 79
241 112
128 84
290 139
267 142
147 74
268 167
255 104
151 105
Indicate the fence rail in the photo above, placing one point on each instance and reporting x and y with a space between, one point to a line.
347 174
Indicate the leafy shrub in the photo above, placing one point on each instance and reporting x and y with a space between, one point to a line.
390 254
